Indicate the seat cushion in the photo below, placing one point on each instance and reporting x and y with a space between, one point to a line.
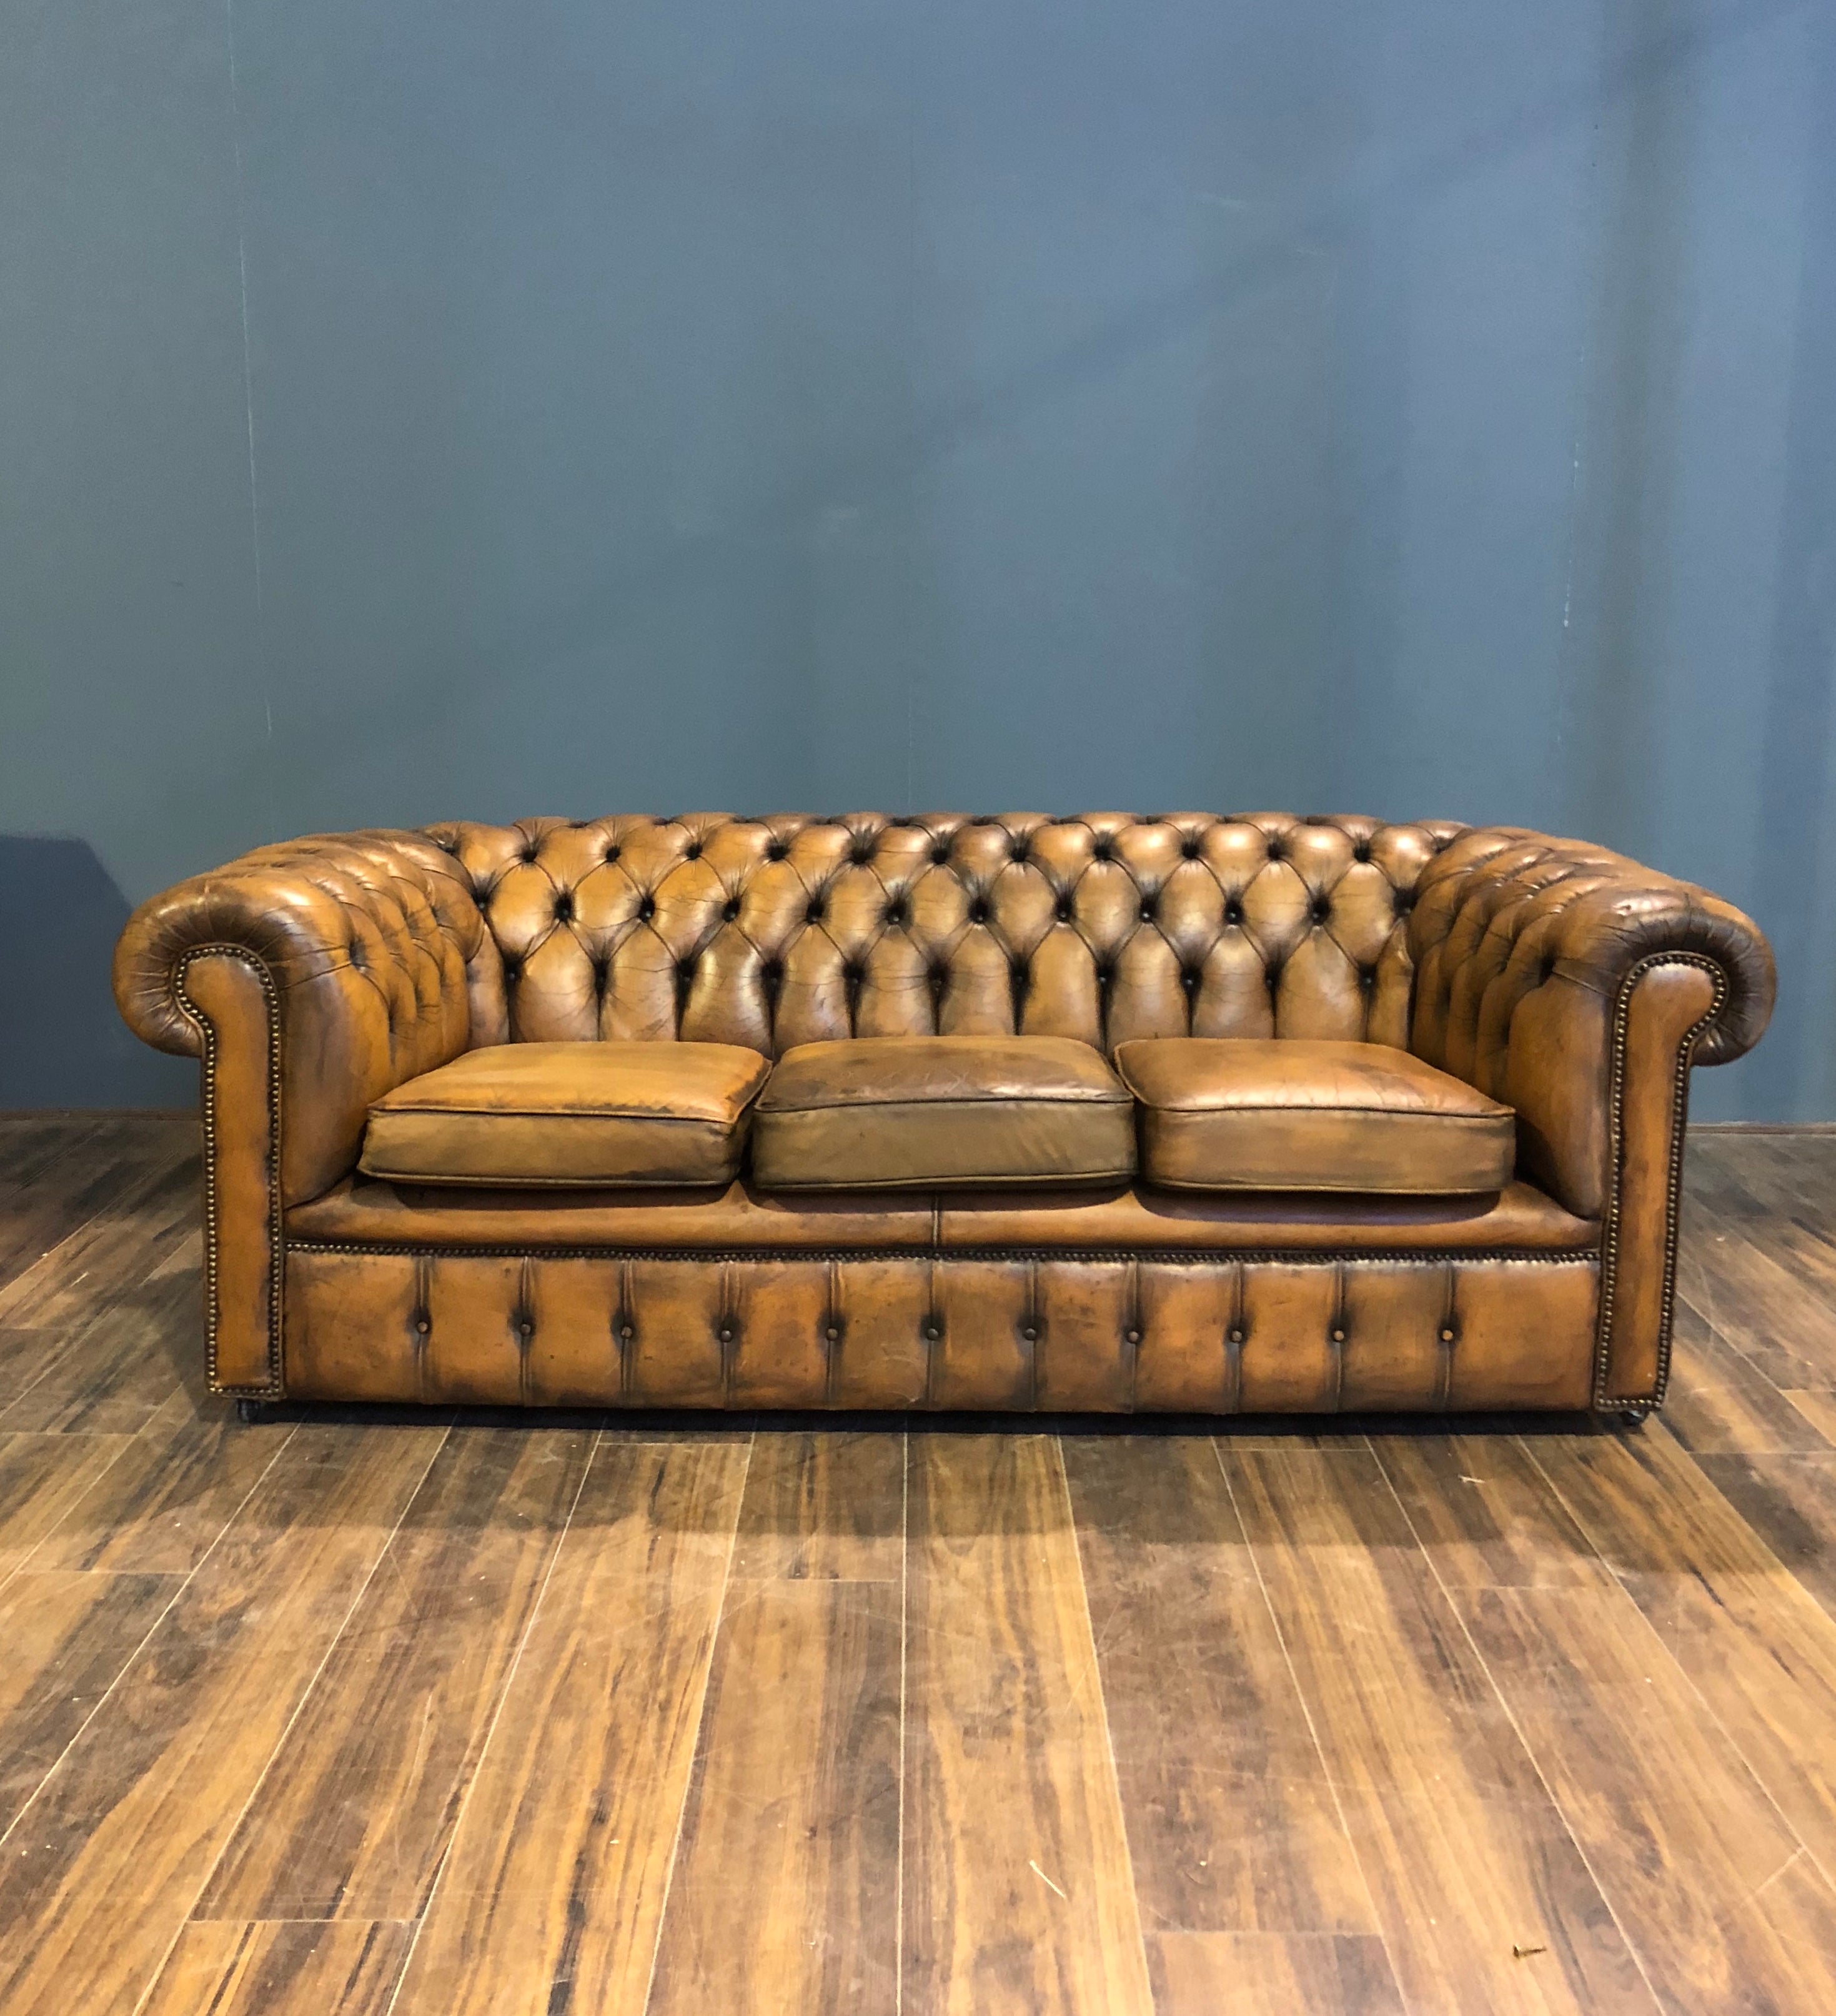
942 1112
1224 1113
570 1114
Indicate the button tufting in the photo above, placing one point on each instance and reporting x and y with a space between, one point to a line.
932 1331
1031 1334
1338 1336
422 1325
526 1327
1090 921
726 1334
1132 1336
1447 1336
832 1332
626 1332
1237 1336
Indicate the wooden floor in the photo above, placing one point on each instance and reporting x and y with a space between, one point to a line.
572 1717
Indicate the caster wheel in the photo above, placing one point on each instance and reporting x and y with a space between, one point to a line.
1631 1419
249 1411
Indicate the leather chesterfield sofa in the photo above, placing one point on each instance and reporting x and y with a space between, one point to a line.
1257 1113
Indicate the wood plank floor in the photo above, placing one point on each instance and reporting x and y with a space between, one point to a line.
578 1716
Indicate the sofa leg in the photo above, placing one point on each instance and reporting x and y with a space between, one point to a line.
1627 1419
250 1411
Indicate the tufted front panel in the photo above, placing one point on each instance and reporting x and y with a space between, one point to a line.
1105 927
1110 1335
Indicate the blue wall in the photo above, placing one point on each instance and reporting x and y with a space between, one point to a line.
447 407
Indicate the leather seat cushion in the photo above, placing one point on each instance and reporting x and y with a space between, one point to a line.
1234 1113
942 1112
569 1113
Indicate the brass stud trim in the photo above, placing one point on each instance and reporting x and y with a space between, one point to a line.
276 1236
1603 1402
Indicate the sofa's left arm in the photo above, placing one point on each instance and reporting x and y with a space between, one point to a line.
309 979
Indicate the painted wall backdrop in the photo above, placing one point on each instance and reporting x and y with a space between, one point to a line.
411 408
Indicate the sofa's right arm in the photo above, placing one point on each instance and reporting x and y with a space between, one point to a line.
1580 989
309 979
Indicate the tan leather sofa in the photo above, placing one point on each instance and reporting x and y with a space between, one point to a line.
1257 1113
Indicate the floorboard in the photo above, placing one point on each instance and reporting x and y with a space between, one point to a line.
1232 1822
1466 1853
357 1807
1017 1888
552 1894
104 1863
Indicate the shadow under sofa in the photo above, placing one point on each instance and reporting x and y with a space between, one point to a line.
1130 1176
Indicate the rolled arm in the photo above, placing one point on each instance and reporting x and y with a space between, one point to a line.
309 979
1580 988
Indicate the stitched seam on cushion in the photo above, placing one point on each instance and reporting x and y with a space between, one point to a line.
549 1113
1673 1186
1503 1115
921 1105
895 1185
277 1230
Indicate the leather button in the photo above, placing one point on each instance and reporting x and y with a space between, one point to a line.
1031 1334
1447 1336
1132 1337
832 1332
526 1327
932 1331
1237 1336
1338 1336
422 1325
727 1336
626 1332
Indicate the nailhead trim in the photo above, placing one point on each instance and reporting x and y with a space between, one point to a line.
1673 1192
1181 1257
276 1259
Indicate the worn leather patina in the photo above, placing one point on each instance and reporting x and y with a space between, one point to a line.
1559 981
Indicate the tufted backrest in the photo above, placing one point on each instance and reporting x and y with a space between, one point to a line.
771 932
